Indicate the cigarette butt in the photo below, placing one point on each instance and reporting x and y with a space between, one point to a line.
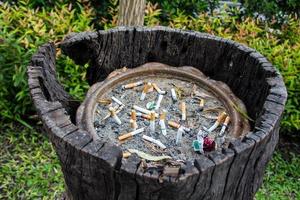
117 101
173 124
145 91
183 111
104 101
163 127
130 134
126 154
125 136
133 124
222 132
133 115
227 120
152 116
179 135
143 116
201 104
147 87
143 110
158 89
114 115
163 115
154 141
221 117
132 85
152 122
160 97
173 94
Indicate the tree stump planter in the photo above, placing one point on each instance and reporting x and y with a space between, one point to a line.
96 170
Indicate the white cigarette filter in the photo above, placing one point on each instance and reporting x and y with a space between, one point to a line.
162 123
132 85
117 101
145 90
160 97
180 131
173 93
143 110
154 141
158 89
152 122
130 134
114 115
183 111
224 126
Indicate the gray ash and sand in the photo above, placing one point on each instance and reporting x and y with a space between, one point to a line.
108 130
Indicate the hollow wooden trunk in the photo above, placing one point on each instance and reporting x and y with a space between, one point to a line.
96 170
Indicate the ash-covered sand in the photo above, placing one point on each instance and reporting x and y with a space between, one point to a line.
108 130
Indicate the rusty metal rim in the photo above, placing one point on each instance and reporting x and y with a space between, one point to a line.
185 73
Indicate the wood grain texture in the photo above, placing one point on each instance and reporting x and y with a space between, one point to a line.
96 170
131 12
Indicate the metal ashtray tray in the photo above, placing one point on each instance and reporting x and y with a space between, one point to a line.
159 112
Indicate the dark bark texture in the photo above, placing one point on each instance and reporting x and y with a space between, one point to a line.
96 170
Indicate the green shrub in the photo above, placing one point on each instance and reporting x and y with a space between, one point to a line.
272 8
22 31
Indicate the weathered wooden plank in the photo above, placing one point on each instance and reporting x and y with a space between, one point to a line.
242 150
206 169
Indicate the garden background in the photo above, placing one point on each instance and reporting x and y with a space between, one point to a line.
29 168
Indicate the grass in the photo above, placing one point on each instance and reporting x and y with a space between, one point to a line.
29 169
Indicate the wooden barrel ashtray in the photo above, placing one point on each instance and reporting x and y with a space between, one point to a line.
185 131
96 169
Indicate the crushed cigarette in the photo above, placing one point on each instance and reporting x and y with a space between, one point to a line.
148 156
130 134
154 141
150 105
132 85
